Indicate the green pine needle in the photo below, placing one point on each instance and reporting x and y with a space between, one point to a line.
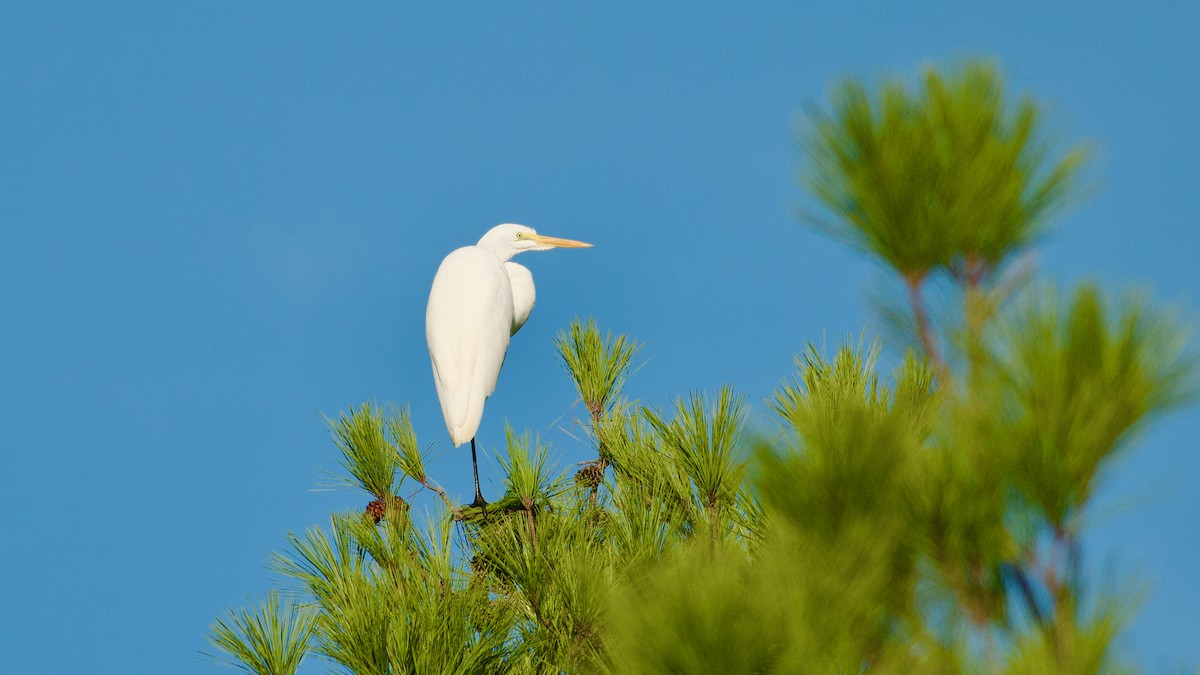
946 175
704 442
408 459
271 640
599 365
368 456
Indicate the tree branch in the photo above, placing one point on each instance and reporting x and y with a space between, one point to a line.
924 330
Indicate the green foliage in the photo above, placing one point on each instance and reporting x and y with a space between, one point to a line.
409 612
702 443
840 497
367 454
1078 384
555 583
666 626
851 453
270 641
527 475
598 365
1084 649
644 470
950 174
928 522
407 454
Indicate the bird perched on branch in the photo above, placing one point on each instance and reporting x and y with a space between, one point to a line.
478 301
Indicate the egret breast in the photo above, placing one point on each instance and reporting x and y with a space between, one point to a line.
523 293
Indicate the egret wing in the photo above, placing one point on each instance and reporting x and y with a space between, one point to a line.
467 326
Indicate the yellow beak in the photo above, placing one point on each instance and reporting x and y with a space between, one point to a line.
558 243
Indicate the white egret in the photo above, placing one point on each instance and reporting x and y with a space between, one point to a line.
479 299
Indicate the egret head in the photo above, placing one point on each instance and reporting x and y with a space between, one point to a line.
510 239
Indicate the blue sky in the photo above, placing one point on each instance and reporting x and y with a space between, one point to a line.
220 220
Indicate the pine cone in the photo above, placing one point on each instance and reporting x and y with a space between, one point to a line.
591 475
375 509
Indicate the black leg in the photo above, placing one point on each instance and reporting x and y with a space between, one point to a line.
478 503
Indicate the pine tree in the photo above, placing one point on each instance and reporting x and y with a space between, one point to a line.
926 521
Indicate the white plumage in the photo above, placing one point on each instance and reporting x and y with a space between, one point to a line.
478 300
468 324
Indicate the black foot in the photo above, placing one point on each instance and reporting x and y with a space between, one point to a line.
479 503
